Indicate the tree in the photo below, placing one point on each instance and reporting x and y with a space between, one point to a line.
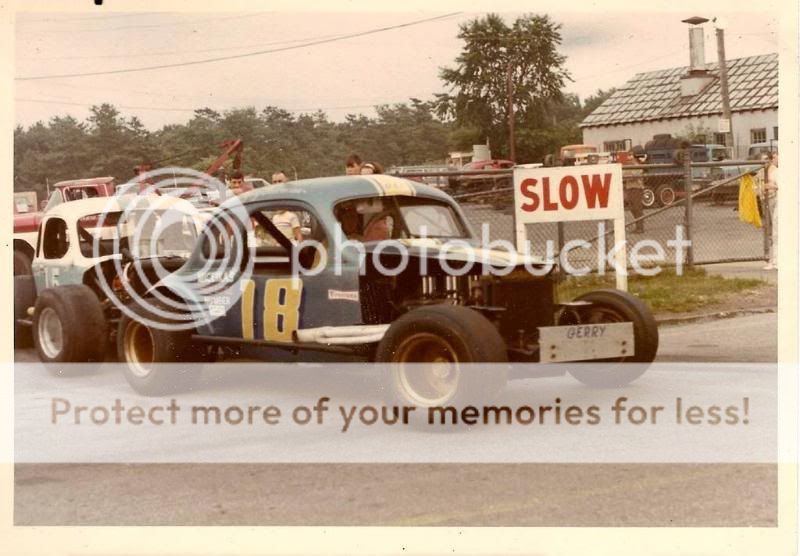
593 101
479 91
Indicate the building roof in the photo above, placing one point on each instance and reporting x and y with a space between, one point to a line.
656 95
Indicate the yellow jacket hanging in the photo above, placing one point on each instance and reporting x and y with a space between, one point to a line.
748 202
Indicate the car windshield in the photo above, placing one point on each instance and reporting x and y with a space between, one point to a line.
158 233
398 217
719 154
575 151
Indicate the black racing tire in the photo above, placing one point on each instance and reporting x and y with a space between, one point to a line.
24 298
22 263
141 344
69 325
442 335
666 194
619 306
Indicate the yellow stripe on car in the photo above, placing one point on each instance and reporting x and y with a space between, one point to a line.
390 185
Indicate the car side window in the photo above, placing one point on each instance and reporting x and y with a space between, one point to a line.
55 242
293 223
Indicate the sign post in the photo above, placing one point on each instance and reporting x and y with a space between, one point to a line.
571 194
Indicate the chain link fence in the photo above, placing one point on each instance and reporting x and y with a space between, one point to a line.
706 214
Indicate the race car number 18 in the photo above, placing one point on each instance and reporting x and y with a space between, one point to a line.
281 312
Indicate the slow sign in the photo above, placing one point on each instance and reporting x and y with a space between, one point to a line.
571 194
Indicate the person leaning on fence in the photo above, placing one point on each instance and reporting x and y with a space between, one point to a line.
771 206
633 182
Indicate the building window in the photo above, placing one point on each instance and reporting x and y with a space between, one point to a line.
775 133
719 138
614 146
758 135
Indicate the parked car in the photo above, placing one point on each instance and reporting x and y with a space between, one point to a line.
758 150
422 314
475 183
63 307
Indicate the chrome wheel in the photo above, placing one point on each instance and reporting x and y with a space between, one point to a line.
139 348
426 369
51 333
648 198
666 196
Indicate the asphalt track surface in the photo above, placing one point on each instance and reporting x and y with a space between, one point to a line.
668 495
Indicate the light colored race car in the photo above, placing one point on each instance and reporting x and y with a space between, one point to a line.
438 310
63 307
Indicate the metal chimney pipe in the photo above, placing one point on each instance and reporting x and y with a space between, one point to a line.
697 51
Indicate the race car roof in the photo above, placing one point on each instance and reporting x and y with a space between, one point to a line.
117 203
329 191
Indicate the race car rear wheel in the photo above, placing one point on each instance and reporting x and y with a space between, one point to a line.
22 263
145 345
429 350
69 325
618 306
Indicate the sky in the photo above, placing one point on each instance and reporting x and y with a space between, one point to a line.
603 49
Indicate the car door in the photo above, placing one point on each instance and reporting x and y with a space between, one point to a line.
276 299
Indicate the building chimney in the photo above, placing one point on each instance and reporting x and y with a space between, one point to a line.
698 77
697 51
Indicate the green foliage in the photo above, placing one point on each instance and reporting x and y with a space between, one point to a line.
308 145
700 134
305 145
494 52
668 292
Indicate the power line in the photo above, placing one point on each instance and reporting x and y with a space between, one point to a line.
238 56
97 18
154 25
168 53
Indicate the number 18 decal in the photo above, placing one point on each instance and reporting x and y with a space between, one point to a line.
281 315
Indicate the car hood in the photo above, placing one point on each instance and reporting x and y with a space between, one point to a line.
452 250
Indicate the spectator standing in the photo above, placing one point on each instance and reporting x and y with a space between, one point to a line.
289 224
771 205
237 182
352 166
633 182
279 177
371 168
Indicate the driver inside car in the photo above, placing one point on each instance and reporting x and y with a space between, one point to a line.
350 220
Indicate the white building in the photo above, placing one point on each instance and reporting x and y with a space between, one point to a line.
685 100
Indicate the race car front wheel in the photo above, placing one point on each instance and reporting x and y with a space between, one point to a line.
69 325
430 352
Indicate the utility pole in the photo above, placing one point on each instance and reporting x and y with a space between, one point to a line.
510 89
723 85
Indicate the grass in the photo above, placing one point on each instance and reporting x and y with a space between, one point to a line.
666 292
